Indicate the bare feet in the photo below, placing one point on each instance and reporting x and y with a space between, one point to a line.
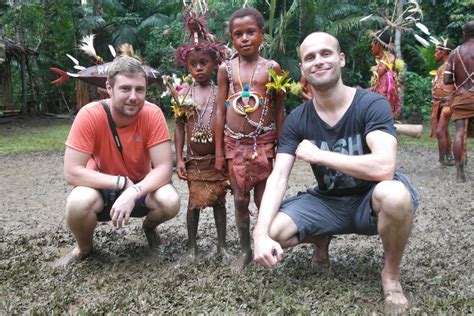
71 257
320 260
151 233
395 302
191 255
152 237
224 254
447 161
460 175
241 262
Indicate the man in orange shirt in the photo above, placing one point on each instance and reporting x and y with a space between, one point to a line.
118 157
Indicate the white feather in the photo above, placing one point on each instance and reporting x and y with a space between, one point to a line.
434 40
74 60
72 75
78 67
422 40
87 45
112 51
423 28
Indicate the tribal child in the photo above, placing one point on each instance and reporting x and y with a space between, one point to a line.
207 186
441 110
460 72
385 79
249 117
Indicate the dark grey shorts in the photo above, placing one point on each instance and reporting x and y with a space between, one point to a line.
109 197
316 214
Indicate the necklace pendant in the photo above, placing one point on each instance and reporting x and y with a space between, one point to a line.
245 96
254 155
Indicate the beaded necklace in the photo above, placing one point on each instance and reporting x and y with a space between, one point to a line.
259 127
202 133
245 94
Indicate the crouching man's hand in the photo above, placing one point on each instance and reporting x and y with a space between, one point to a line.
267 251
123 207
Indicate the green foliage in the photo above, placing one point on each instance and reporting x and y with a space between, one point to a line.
154 28
417 105
425 60
358 61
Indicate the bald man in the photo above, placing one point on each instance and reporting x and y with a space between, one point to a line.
348 138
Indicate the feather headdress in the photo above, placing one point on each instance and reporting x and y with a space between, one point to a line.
195 22
87 46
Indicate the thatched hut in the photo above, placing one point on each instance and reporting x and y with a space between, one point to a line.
9 50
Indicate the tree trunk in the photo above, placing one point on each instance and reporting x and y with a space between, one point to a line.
20 39
97 7
398 47
398 34
34 85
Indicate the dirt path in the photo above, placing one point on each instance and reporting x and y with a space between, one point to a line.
124 276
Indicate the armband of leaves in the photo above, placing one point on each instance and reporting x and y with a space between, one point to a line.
181 105
278 82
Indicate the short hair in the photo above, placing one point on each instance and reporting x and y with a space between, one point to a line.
468 29
124 65
254 13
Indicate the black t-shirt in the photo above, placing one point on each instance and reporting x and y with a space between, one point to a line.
368 112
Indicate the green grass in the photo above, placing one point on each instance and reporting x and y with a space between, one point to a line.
31 139
45 138
424 140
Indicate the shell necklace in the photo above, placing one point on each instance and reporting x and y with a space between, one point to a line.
202 132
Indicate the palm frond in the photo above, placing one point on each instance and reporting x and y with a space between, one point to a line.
340 10
124 34
113 7
155 20
89 24
345 25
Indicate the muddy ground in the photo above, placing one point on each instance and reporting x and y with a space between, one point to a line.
125 276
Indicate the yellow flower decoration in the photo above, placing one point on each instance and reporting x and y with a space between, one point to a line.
399 65
295 88
279 82
180 105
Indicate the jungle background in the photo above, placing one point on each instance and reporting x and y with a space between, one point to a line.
53 28
124 276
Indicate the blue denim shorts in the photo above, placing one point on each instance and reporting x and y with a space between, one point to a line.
316 214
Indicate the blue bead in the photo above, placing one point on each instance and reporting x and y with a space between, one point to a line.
246 87
261 101
227 103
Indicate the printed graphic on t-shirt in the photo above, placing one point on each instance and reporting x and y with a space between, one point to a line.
333 179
